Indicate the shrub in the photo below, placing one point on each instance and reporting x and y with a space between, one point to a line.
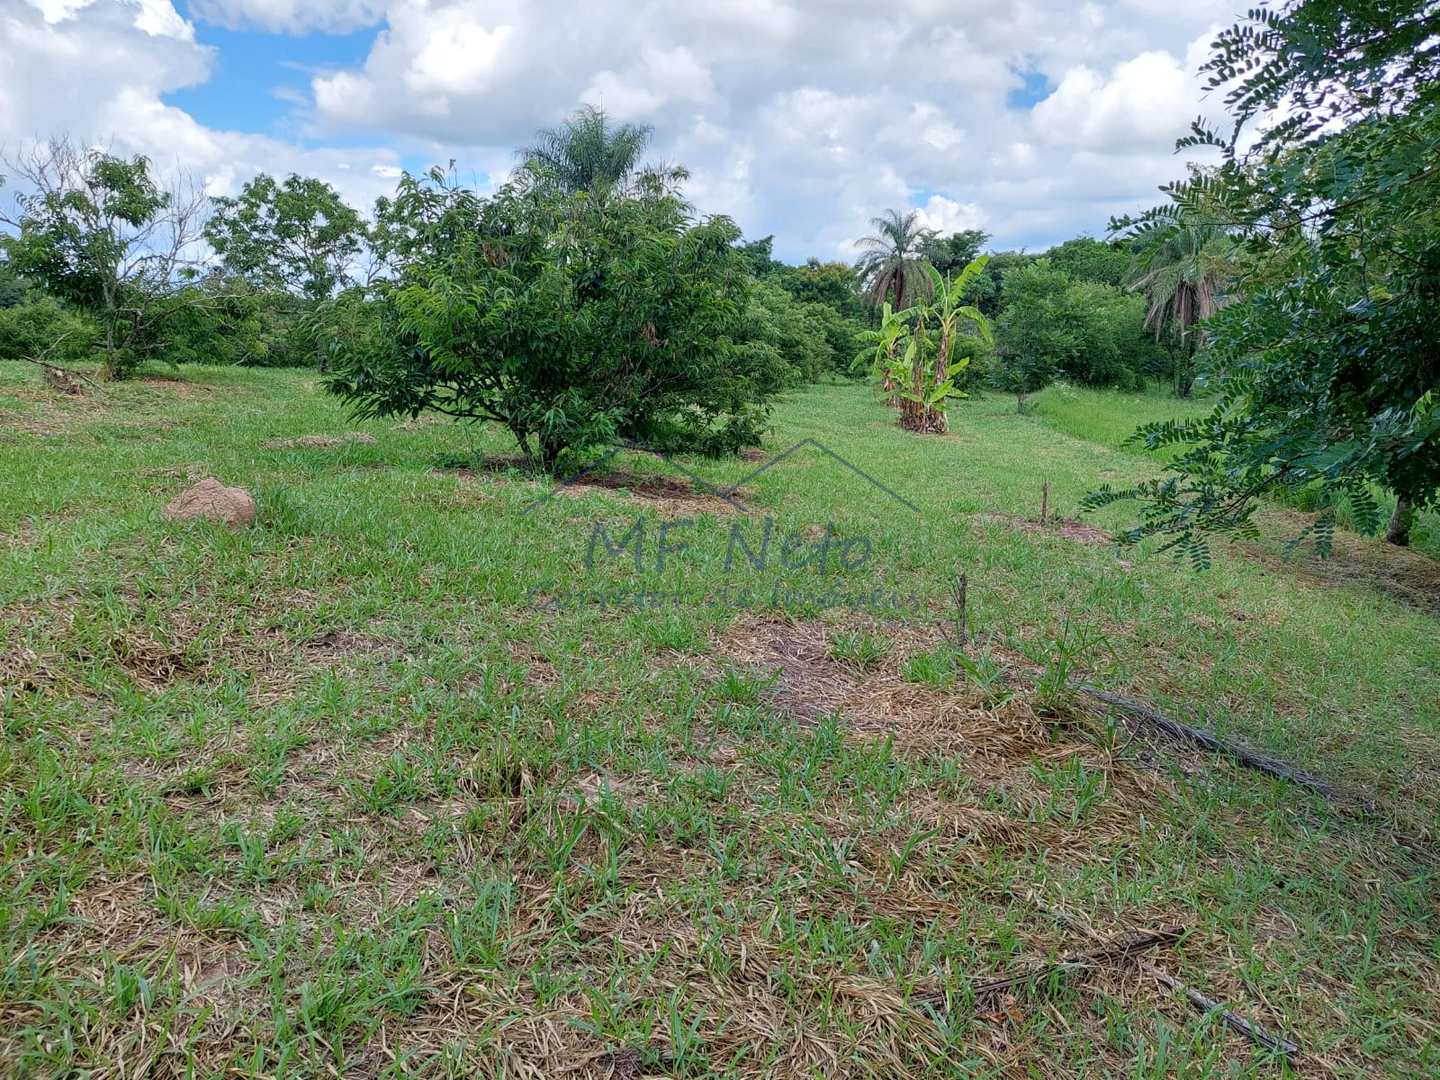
794 330
41 328
226 319
1086 331
572 318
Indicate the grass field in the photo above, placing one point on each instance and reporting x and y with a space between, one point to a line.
404 781
1108 418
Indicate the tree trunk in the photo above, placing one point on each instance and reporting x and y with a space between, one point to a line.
1185 367
1398 532
935 414
110 366
912 415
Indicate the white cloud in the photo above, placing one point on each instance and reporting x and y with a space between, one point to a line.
798 118
660 77
59 10
1140 103
293 16
947 216
98 74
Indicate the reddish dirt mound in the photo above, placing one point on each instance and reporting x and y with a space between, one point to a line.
213 501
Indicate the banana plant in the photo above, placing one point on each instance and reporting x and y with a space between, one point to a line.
949 312
912 354
884 350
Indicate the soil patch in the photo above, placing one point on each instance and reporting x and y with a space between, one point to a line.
1067 528
319 442
668 493
1401 573
664 492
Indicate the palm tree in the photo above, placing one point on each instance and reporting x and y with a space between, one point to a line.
1183 274
587 150
893 264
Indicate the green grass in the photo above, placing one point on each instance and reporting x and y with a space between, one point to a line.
1109 417
399 782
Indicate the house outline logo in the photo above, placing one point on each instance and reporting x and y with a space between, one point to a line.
727 494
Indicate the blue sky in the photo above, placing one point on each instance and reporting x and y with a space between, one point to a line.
260 77
1034 120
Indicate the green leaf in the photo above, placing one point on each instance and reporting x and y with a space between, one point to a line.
936 281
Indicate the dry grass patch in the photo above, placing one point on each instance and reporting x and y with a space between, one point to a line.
319 442
1357 561
1045 783
1065 528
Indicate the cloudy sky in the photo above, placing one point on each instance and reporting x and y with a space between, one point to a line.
1034 120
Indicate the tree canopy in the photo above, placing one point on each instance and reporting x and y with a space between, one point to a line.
297 235
587 150
573 318
1327 364
892 264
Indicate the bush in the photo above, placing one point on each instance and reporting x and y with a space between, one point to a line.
572 318
224 319
1088 332
812 339
40 328
792 329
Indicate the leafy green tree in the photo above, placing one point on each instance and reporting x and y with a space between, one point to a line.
572 318
798 332
893 265
1080 330
588 151
297 235
1087 259
759 256
1326 367
100 234
988 290
951 254
1024 372
1037 334
829 283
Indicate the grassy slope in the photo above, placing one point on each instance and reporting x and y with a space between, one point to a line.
331 785
1108 418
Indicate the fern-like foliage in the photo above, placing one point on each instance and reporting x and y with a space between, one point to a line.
1325 358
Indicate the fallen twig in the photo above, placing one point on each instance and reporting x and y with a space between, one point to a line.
1254 1032
50 369
1210 741
1278 1044
1109 952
